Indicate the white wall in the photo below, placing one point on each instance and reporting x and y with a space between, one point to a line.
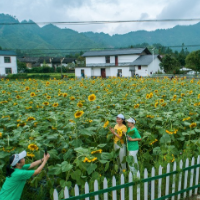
154 66
127 58
142 72
88 72
102 60
12 65
125 71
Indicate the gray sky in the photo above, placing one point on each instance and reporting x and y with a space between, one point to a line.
89 10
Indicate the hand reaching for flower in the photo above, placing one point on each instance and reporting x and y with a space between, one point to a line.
112 130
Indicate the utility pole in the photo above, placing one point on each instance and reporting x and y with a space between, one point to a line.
61 61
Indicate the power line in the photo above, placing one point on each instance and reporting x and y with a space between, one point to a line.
101 22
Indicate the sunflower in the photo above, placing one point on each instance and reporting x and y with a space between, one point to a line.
179 100
98 107
1 135
192 125
136 106
163 104
147 96
45 103
14 104
21 124
190 92
97 151
182 94
91 97
106 124
198 96
27 88
32 94
33 147
162 100
79 104
64 94
72 98
30 119
47 83
78 114
30 155
48 97
18 97
156 104
55 105
64 150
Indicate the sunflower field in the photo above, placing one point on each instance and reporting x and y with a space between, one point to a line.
72 119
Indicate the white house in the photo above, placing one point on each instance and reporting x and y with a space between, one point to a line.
119 62
8 62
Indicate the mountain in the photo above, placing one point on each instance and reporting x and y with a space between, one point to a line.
167 37
32 36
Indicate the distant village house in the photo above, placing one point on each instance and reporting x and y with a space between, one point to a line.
119 62
8 62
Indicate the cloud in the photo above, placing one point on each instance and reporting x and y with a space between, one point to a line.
95 10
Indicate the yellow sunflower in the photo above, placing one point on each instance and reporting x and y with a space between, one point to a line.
45 103
1 135
192 125
79 104
30 155
72 98
27 88
32 94
136 106
30 119
64 94
78 114
106 124
55 105
33 147
91 97
48 97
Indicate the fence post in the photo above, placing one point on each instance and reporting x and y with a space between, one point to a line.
152 184
105 186
87 190
138 186
159 181
167 180
122 190
145 185
186 177
197 175
114 192
180 179
55 195
130 189
66 192
76 189
191 177
174 180
96 188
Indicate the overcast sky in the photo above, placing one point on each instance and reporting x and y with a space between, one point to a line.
94 10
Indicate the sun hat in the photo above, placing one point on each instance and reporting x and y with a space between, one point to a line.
120 116
131 120
18 157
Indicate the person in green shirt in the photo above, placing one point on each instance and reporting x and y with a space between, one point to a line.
17 173
133 137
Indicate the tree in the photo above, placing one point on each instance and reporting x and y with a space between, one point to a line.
21 67
193 60
170 64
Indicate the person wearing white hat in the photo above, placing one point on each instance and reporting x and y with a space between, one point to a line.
17 173
133 137
118 131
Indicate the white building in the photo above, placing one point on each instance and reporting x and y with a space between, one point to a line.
119 62
8 62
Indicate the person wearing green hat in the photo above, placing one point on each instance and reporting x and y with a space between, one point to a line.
17 172
133 137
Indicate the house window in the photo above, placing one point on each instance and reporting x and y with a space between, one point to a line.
139 67
119 74
8 70
107 59
7 60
